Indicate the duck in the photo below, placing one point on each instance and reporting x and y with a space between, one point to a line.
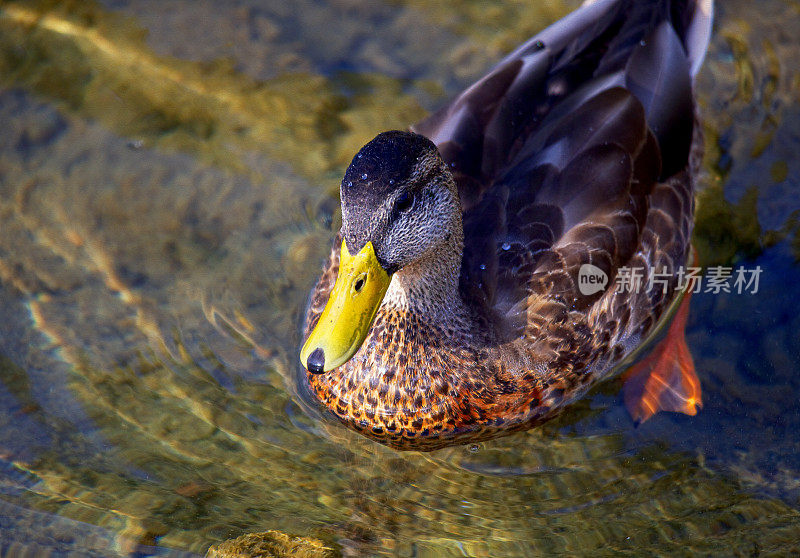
481 281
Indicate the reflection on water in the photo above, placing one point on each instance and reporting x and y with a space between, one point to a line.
167 192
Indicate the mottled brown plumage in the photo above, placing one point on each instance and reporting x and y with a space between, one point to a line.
578 148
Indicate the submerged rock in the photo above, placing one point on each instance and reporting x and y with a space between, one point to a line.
271 544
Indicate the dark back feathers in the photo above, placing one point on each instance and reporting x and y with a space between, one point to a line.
557 151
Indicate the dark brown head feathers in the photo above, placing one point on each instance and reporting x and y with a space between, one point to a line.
381 167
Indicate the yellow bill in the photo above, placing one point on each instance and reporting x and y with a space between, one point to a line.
348 315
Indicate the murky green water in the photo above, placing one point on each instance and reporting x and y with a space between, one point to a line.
168 179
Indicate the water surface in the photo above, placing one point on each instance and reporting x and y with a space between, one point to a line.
168 190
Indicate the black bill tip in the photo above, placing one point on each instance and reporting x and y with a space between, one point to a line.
316 361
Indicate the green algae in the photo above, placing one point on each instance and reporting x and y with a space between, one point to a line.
97 64
725 232
746 98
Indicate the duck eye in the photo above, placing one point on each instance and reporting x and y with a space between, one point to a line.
404 202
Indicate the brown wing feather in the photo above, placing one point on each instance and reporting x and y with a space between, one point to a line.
555 170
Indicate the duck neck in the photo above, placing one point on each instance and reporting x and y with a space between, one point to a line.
429 287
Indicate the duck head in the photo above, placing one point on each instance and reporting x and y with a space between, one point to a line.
400 210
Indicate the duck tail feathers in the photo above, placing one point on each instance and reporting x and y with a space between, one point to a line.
698 33
692 19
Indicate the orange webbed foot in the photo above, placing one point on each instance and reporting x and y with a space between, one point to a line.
666 379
